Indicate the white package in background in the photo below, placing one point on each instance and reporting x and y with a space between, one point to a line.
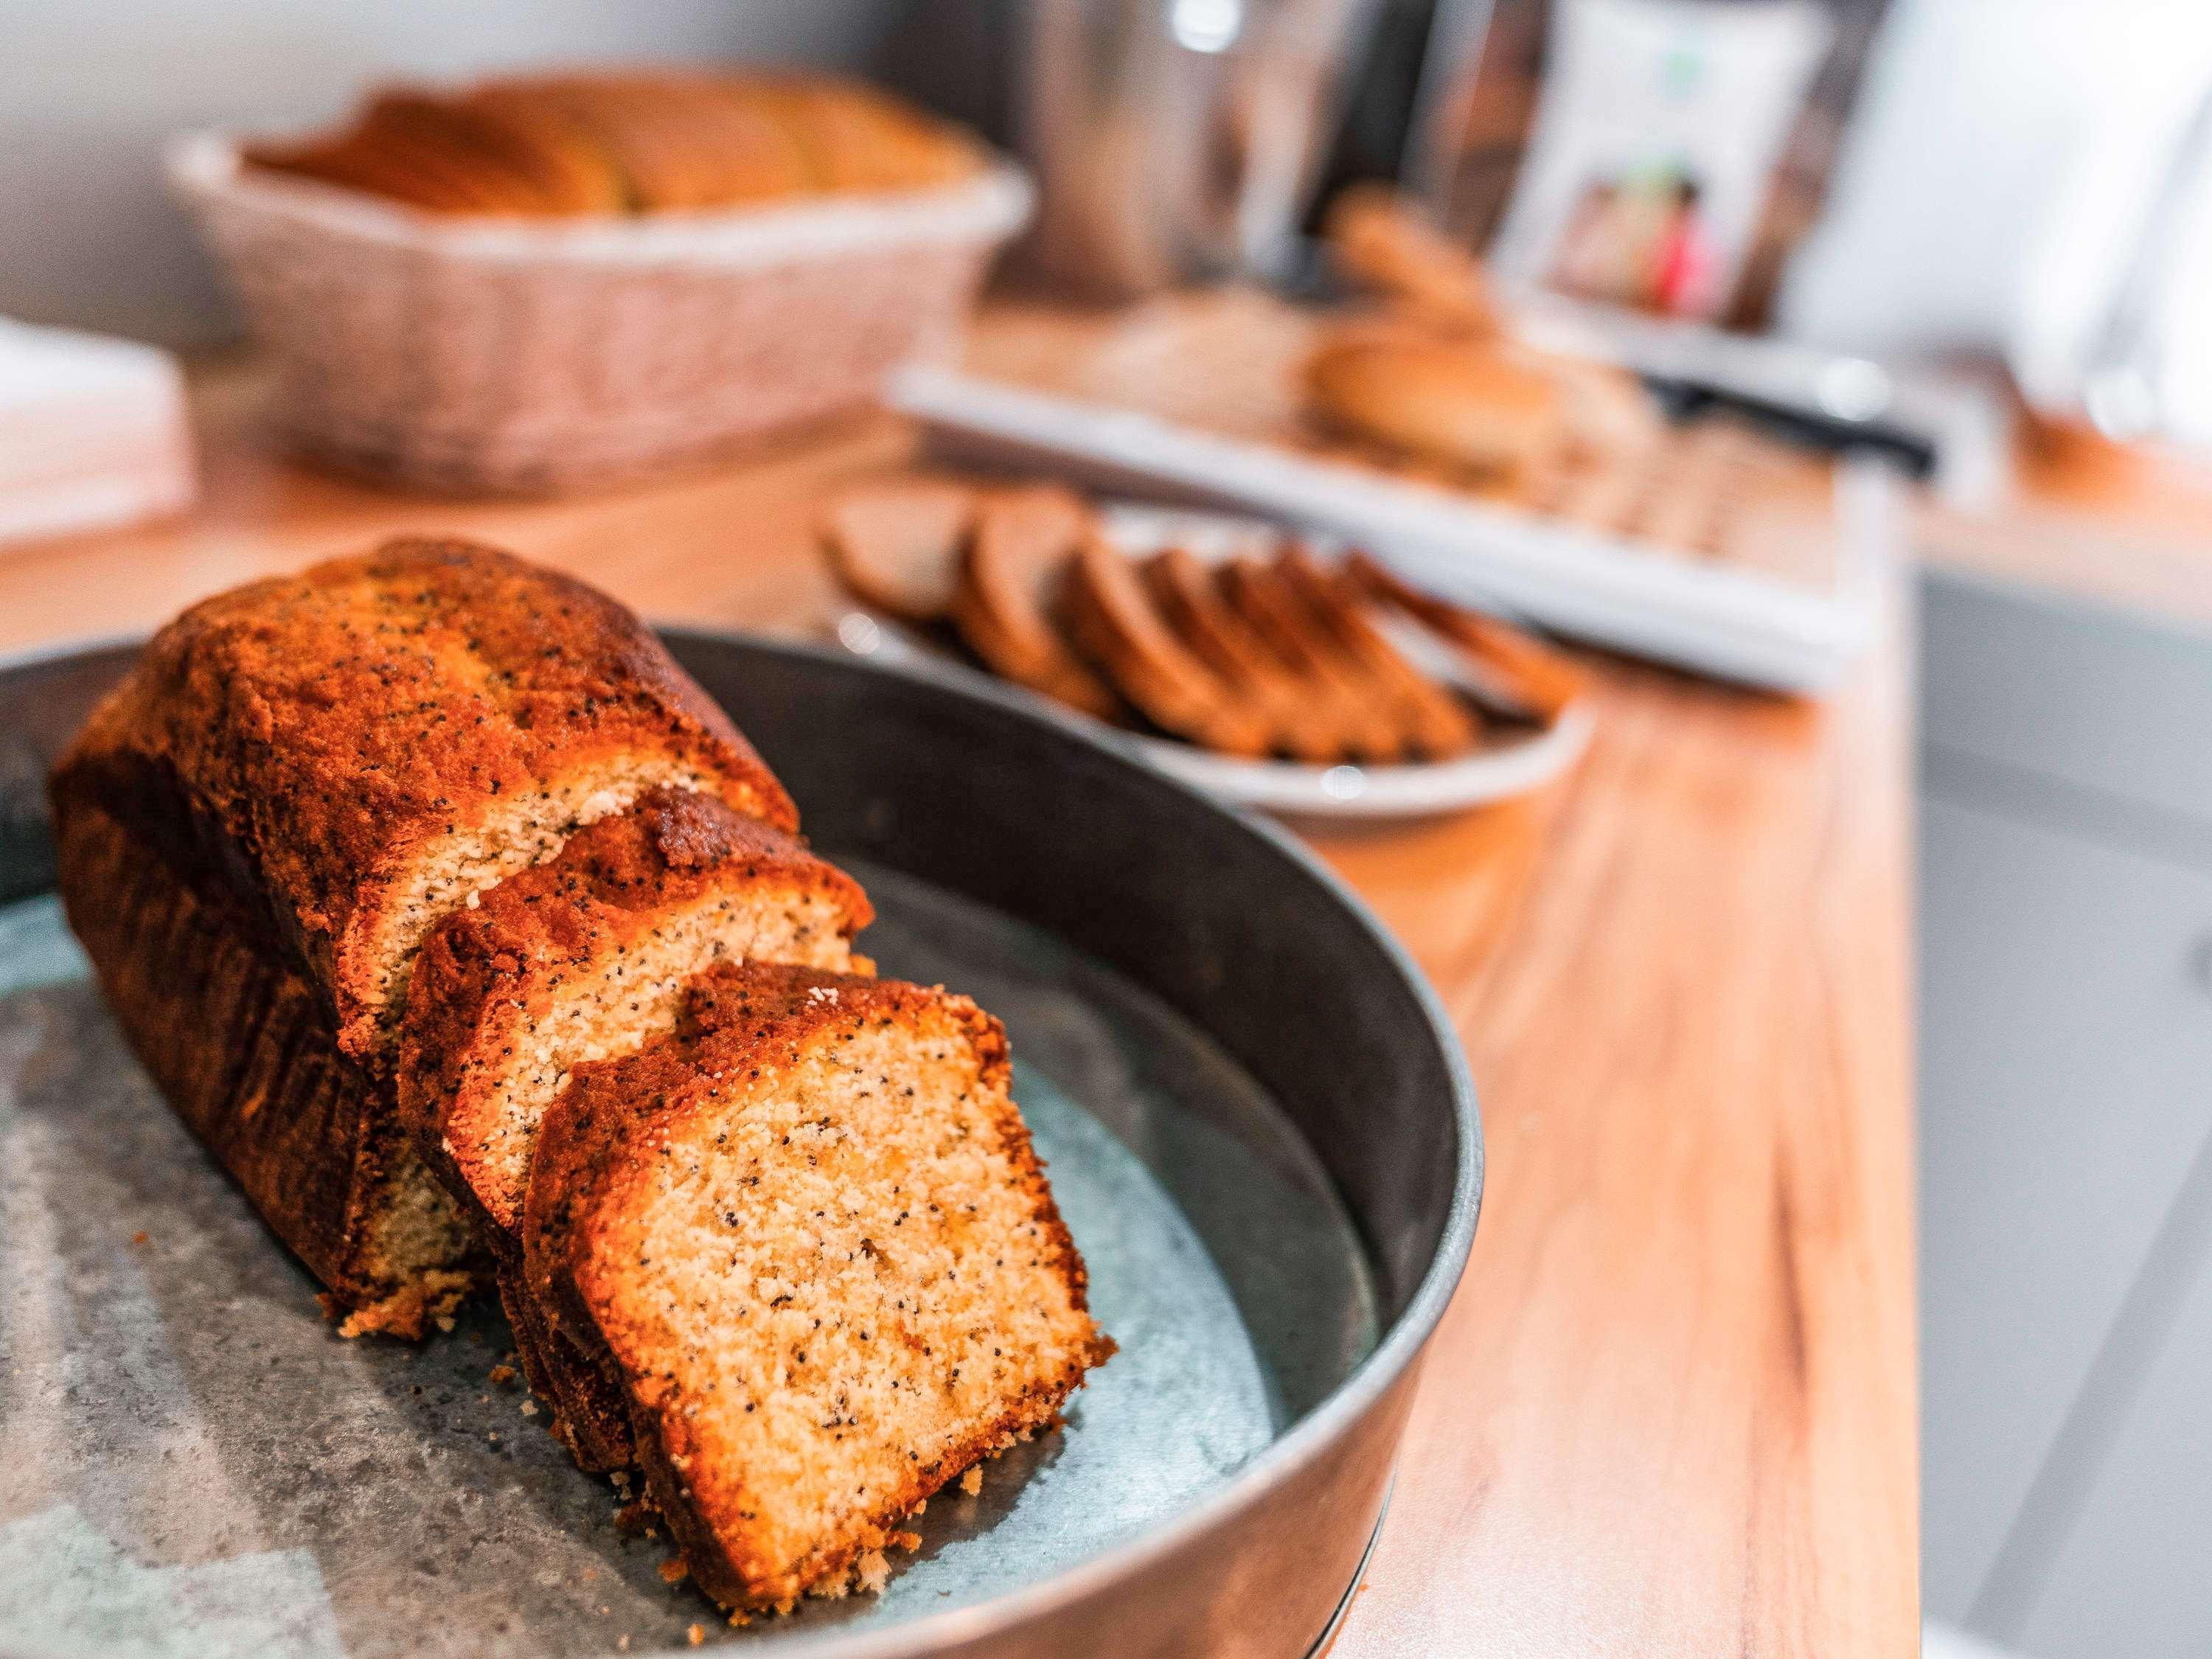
1655 144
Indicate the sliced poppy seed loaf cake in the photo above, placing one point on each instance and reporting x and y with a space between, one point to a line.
808 1238
475 942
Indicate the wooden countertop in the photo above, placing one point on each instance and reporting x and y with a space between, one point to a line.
2124 524
1672 1410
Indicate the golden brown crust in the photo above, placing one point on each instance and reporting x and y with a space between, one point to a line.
409 148
590 1415
594 1147
481 148
1114 620
896 542
1009 595
482 152
1543 679
636 140
857 139
486 968
396 167
242 1048
327 728
571 170
677 140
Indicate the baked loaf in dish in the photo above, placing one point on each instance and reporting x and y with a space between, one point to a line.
476 944
329 763
809 1239
627 142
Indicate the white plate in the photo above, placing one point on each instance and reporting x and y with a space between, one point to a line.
1497 771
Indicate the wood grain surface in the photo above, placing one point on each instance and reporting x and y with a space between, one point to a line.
2086 517
1671 1411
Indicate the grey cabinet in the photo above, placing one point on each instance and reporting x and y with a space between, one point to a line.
2130 1571
2065 935
2092 701
2065 1087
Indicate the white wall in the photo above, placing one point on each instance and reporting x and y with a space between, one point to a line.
90 89
1959 197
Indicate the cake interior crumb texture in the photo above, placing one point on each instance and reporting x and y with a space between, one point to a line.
615 1004
470 858
833 1277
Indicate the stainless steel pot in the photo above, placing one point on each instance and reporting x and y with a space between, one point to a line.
1175 139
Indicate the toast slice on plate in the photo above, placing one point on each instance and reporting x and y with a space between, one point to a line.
1116 624
1181 586
1012 596
897 543
1439 723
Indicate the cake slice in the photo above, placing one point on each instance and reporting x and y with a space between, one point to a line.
807 1237
586 957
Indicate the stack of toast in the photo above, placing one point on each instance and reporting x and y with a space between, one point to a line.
479 946
1252 656
627 141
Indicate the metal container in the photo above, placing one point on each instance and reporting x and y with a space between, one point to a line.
1180 138
1257 1119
